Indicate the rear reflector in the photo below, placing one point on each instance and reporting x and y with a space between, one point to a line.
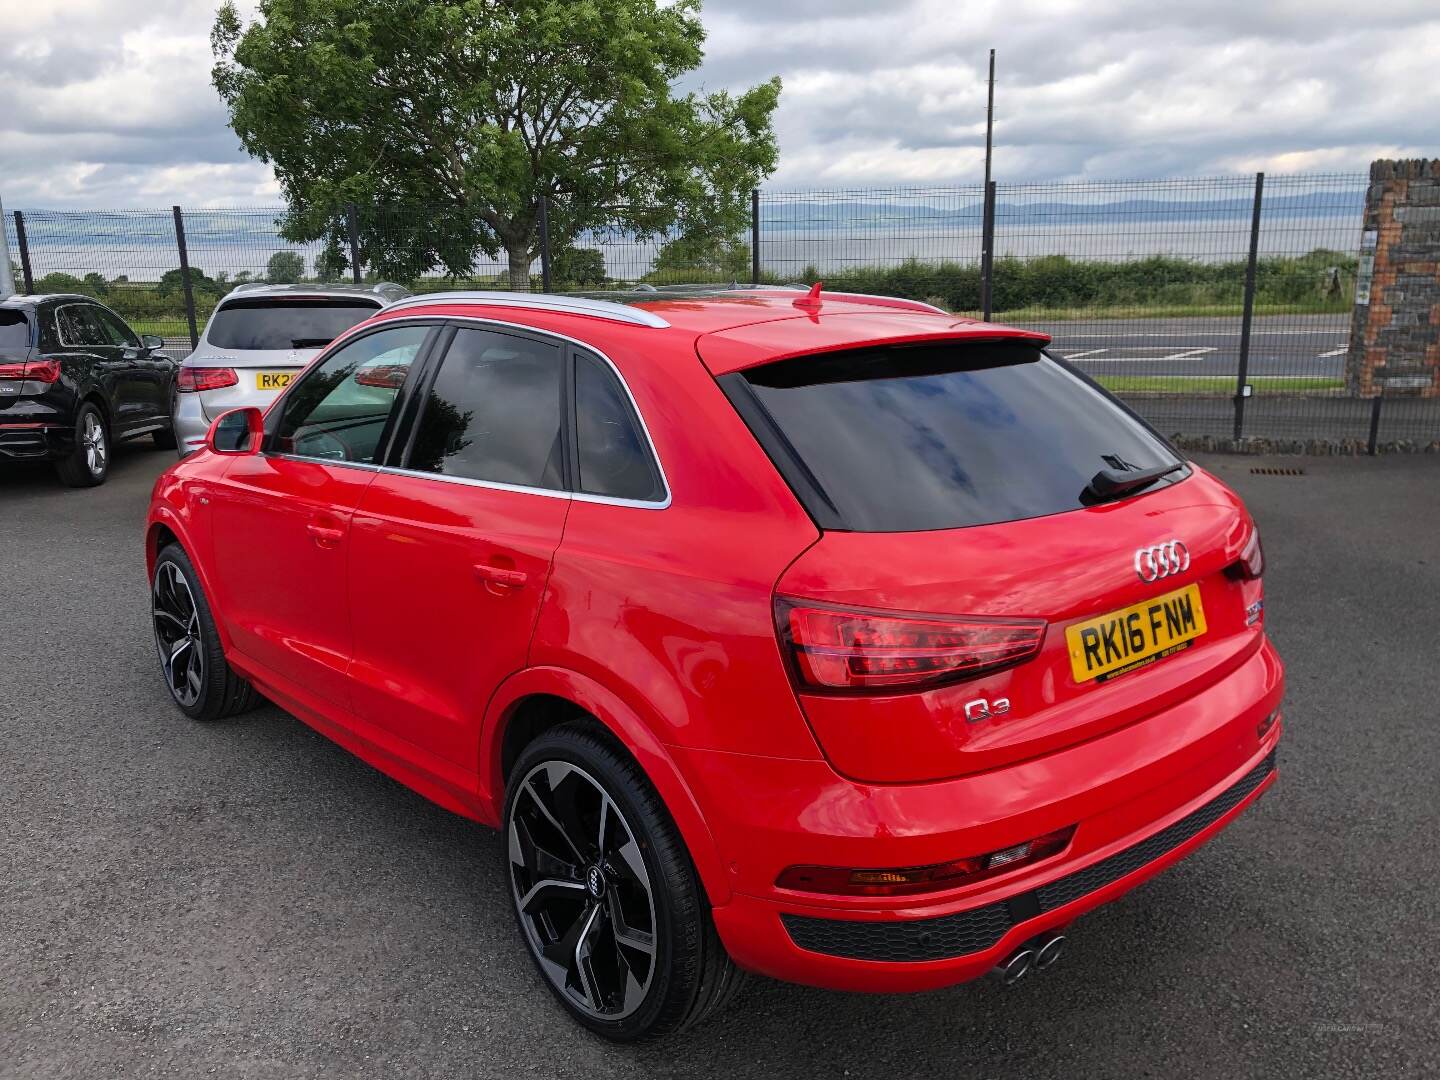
853 650
839 881
195 379
45 371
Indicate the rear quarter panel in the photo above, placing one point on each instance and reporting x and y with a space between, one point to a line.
671 609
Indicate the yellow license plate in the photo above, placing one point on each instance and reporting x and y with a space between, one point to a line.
1135 636
273 380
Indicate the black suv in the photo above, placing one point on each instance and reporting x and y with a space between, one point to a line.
73 380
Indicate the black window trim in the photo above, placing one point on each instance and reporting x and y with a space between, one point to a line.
396 443
568 346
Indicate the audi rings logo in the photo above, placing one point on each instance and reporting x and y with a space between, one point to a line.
1162 560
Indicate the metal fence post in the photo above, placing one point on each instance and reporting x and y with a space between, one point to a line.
1372 445
24 242
754 236
987 252
543 220
1248 313
352 223
185 277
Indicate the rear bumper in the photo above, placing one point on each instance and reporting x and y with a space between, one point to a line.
34 441
191 423
1140 799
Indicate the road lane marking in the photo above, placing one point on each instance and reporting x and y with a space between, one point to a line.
1187 354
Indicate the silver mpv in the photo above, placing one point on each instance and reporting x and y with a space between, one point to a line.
258 338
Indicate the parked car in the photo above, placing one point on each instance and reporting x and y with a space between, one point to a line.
74 380
829 637
258 338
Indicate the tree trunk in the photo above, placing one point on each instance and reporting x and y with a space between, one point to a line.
519 255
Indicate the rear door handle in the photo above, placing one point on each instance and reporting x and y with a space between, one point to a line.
325 536
500 575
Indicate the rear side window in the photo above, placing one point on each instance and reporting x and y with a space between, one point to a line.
614 454
14 331
493 412
284 324
943 437
79 327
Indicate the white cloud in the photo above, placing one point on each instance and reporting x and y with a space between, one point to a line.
108 103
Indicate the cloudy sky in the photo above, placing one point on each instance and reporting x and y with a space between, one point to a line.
108 103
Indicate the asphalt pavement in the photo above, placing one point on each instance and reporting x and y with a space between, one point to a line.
1281 346
246 899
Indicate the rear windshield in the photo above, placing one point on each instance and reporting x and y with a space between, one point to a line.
942 437
14 331
285 324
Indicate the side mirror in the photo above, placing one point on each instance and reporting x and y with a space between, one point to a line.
152 342
239 431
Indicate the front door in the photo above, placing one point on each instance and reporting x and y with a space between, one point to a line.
281 520
144 377
450 557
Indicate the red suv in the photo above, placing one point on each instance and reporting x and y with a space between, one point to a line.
825 636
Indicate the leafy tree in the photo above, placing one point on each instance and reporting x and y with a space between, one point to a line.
702 257
330 264
171 283
60 282
578 266
96 284
445 121
285 268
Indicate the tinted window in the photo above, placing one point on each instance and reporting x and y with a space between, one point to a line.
285 324
78 326
115 331
14 331
337 411
493 412
614 456
942 437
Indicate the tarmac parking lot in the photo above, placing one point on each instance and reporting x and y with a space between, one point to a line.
246 899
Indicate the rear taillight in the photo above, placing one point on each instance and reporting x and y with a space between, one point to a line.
195 379
837 650
840 881
1251 563
45 371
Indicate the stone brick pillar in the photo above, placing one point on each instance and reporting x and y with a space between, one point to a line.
1395 328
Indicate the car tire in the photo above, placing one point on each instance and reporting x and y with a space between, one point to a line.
88 463
586 936
192 660
164 438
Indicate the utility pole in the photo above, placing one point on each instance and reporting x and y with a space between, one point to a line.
987 211
7 279
990 121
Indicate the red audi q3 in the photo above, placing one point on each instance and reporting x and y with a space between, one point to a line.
824 636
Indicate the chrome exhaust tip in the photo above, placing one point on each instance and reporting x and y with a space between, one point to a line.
1047 950
1011 970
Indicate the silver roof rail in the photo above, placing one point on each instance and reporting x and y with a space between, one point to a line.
568 305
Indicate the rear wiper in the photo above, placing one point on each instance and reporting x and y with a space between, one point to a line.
309 342
1113 483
